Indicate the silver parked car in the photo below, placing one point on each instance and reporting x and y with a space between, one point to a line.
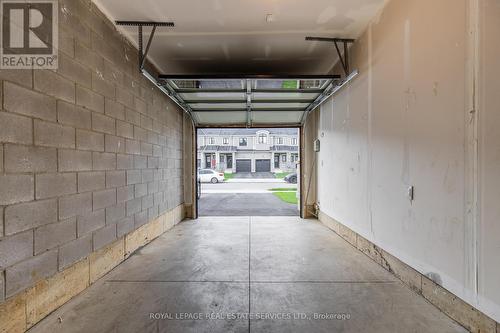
210 176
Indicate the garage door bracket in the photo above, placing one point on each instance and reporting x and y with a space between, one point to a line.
143 54
344 57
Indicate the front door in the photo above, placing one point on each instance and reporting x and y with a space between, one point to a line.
208 161
276 161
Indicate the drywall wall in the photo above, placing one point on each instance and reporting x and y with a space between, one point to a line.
88 152
406 121
308 175
489 156
189 166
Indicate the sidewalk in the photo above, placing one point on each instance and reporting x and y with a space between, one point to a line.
233 191
254 180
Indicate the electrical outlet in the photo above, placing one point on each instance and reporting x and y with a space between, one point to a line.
411 193
317 145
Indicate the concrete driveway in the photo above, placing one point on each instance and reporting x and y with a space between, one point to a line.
244 204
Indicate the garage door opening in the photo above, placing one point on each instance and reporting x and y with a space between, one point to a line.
248 171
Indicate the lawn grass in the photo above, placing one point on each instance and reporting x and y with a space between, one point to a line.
228 175
283 189
281 175
288 197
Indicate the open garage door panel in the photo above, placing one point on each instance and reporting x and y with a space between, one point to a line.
249 100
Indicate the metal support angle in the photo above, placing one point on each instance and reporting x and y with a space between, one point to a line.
143 54
344 57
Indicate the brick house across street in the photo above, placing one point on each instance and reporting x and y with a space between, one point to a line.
248 149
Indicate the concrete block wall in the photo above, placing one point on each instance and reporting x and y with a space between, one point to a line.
88 152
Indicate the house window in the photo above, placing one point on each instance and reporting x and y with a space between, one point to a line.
294 158
279 141
243 142
211 141
262 138
283 158
225 141
294 141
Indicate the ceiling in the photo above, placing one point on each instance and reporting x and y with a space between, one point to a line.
234 36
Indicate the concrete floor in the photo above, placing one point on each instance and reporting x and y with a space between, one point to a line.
284 270
244 204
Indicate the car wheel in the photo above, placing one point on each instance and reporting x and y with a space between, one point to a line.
293 180
214 180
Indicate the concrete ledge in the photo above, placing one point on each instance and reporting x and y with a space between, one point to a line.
105 259
13 314
454 307
24 310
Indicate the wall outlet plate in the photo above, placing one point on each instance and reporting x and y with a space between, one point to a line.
411 193
317 145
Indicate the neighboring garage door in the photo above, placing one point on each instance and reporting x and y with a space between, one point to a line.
243 165
263 165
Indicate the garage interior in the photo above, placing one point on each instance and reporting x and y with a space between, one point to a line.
397 107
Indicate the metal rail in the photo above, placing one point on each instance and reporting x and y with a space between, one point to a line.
344 58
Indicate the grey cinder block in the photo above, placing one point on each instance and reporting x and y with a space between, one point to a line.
90 222
51 235
73 115
49 185
91 181
28 272
104 198
87 140
16 248
30 159
16 189
54 135
29 215
103 161
104 236
73 205
74 251
18 99
15 128
74 160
